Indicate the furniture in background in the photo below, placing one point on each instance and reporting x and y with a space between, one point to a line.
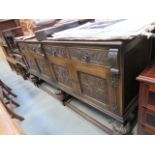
6 95
146 112
96 68
9 29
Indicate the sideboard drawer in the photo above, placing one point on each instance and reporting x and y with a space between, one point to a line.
35 48
148 118
30 47
99 56
55 51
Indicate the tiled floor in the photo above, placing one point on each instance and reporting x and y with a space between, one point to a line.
43 113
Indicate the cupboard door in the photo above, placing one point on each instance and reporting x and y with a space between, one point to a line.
61 72
44 68
94 84
33 68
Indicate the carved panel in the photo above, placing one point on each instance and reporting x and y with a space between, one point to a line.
43 66
32 64
55 51
93 86
62 74
93 56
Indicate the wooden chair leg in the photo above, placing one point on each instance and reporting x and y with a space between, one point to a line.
5 86
13 114
9 99
11 93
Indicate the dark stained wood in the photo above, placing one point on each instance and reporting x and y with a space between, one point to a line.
99 73
146 113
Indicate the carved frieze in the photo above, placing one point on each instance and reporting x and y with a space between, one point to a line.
89 55
54 51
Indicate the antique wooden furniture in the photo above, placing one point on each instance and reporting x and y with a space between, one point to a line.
7 125
146 114
6 95
36 63
99 72
9 29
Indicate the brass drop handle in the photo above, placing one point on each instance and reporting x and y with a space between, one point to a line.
43 55
85 58
33 49
54 53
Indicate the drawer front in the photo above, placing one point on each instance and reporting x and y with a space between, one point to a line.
98 56
30 47
55 51
148 95
145 130
35 48
148 118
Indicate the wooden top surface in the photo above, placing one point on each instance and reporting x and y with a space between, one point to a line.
148 75
8 125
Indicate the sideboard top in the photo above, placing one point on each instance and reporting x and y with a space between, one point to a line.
148 75
121 29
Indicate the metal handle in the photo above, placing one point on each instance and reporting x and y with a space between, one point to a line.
85 58
54 53
43 55
33 49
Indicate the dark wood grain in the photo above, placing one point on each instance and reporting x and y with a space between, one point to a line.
146 113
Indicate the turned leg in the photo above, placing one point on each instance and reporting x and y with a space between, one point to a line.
35 80
120 128
67 99
60 94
